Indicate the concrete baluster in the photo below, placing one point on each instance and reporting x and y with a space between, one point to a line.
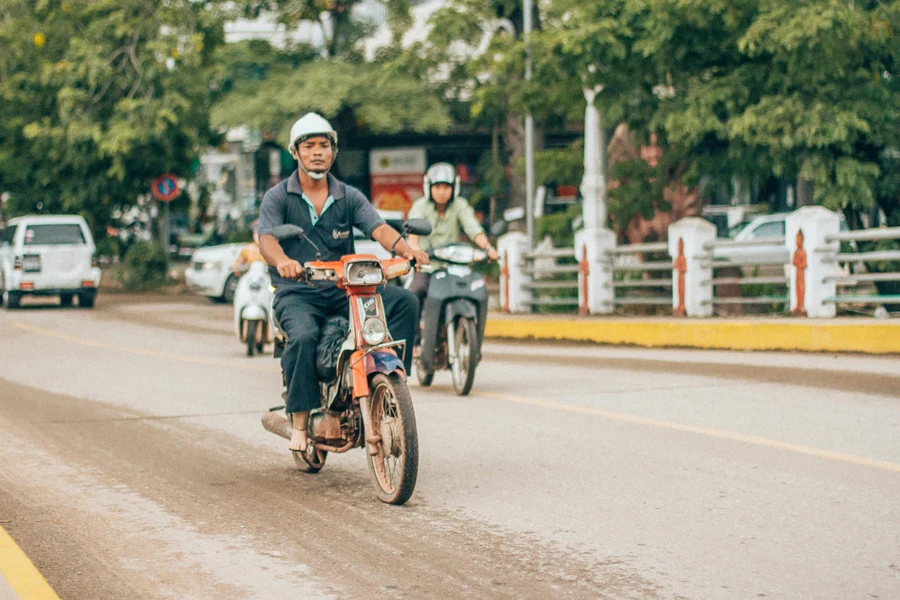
693 233
595 276
810 265
514 295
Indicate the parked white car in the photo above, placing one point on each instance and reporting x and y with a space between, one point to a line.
48 255
760 228
209 272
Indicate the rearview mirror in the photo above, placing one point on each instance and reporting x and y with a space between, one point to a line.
287 232
498 228
418 227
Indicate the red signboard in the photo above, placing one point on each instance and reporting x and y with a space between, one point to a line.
396 177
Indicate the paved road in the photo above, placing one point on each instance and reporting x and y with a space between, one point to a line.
133 465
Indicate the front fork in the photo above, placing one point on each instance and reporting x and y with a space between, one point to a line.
451 342
372 436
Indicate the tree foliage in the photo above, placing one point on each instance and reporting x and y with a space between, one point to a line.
376 101
800 90
99 97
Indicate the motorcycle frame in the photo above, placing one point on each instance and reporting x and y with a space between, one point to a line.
363 360
443 305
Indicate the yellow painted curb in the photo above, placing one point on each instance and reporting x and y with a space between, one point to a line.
20 573
809 336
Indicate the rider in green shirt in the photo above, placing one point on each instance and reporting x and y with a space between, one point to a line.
449 215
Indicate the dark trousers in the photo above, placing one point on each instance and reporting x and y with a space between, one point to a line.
301 316
419 286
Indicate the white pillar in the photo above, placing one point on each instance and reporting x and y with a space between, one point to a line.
593 185
595 291
694 232
514 294
816 223
597 243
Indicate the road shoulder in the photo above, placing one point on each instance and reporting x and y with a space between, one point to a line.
19 578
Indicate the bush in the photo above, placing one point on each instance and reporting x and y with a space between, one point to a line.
110 247
145 266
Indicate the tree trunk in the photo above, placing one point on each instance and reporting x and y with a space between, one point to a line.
805 191
514 140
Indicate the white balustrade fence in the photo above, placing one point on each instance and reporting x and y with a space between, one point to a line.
699 275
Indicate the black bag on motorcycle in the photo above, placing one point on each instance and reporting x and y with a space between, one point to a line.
334 333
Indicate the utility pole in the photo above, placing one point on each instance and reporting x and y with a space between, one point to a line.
529 133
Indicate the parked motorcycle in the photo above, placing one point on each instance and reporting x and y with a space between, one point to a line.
252 298
453 317
365 400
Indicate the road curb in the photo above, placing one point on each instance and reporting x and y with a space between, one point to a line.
807 336
18 573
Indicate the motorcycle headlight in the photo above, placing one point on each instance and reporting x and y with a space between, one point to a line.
365 273
374 331
256 284
458 253
212 266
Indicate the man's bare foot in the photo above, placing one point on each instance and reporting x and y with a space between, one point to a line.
298 441
299 421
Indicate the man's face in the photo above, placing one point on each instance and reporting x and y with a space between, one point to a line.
315 153
441 192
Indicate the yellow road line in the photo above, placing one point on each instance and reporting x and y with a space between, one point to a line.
728 435
717 433
143 352
808 336
20 573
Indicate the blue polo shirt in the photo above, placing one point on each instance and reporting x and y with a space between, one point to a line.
331 231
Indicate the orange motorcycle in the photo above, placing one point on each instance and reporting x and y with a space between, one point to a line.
366 403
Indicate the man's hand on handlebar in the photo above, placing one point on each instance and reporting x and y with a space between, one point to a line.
419 256
290 269
493 254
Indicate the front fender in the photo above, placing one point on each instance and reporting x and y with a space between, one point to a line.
460 308
382 361
254 312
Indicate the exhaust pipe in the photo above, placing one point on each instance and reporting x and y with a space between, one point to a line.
277 424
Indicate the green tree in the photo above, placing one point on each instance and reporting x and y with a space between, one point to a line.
99 97
804 90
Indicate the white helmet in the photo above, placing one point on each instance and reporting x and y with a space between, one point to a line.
441 173
313 125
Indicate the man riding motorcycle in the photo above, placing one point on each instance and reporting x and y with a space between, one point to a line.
327 210
449 214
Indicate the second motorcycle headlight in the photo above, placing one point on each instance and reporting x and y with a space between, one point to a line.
365 273
374 331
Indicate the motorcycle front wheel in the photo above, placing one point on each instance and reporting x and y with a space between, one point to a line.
395 465
463 367
252 327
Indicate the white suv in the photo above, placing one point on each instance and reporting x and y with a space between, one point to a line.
50 255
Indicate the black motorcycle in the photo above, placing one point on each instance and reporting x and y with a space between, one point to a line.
453 317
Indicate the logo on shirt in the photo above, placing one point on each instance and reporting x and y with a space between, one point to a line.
340 235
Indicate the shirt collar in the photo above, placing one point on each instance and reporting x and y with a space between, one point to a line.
335 189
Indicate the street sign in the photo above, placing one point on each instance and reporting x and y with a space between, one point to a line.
165 188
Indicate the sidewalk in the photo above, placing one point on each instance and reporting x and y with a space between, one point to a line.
848 334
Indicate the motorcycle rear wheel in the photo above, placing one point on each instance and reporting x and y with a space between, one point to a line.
314 461
395 466
463 367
